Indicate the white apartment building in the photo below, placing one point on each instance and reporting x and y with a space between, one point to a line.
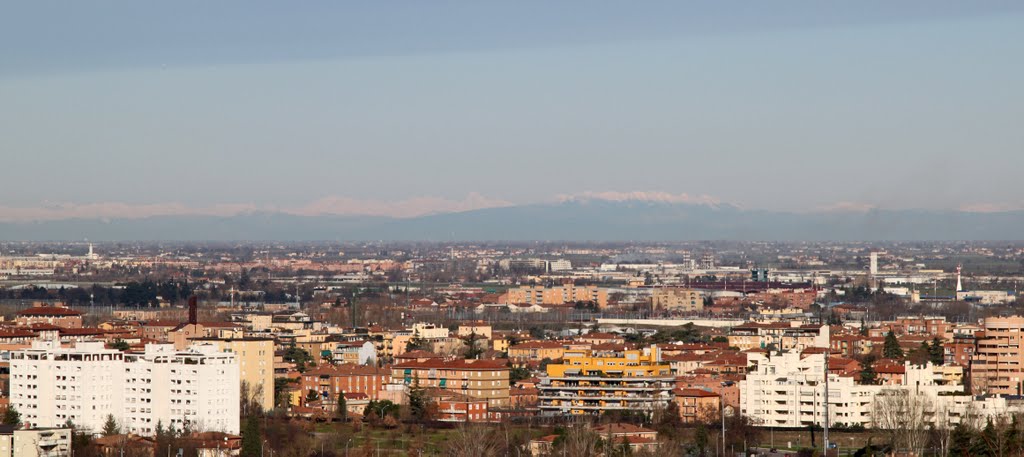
51 385
788 390
429 331
198 387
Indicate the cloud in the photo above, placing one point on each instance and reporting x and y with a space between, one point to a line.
660 197
331 205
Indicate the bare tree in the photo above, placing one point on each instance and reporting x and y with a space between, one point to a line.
579 440
942 429
903 416
250 399
474 441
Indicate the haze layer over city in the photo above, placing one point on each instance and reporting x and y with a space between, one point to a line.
511 228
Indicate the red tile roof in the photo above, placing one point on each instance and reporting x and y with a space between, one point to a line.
49 311
457 364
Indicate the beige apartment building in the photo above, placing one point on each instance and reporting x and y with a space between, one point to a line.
255 362
677 299
558 295
997 366
483 379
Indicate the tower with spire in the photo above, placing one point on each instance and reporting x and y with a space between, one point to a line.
959 284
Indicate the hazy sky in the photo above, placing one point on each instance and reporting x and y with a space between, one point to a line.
135 108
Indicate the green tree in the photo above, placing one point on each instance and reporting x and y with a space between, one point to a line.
516 374
312 396
473 350
701 441
867 371
110 426
418 344
120 345
936 353
11 416
892 349
342 412
251 440
419 404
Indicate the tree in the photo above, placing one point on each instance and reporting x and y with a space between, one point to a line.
11 416
892 349
867 372
312 396
472 349
120 345
420 406
342 412
110 426
251 440
250 399
577 440
299 357
701 441
418 344
474 441
937 354
903 416
516 374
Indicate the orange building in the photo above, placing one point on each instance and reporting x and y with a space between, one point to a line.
333 380
998 365
697 405
58 315
558 295
486 379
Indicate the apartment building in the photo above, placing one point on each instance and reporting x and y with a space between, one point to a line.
197 387
697 405
536 351
51 385
42 313
788 390
997 366
784 335
17 441
558 295
586 383
486 379
330 381
677 299
427 331
255 363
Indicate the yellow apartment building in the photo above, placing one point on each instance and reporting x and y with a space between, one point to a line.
634 380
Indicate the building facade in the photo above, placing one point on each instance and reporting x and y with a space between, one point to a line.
255 363
51 385
585 383
997 366
485 379
677 299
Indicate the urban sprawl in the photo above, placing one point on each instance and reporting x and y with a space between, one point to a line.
572 349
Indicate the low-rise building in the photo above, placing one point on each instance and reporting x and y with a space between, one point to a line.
16 441
485 379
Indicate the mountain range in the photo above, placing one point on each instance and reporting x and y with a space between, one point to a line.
577 220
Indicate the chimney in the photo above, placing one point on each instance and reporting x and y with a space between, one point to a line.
193 310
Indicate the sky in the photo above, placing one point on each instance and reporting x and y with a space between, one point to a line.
129 109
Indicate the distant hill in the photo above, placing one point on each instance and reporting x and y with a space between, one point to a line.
593 219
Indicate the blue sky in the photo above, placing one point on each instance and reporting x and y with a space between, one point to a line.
125 108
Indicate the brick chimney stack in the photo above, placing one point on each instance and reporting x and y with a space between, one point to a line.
193 310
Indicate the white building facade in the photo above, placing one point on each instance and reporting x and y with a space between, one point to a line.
197 387
788 390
